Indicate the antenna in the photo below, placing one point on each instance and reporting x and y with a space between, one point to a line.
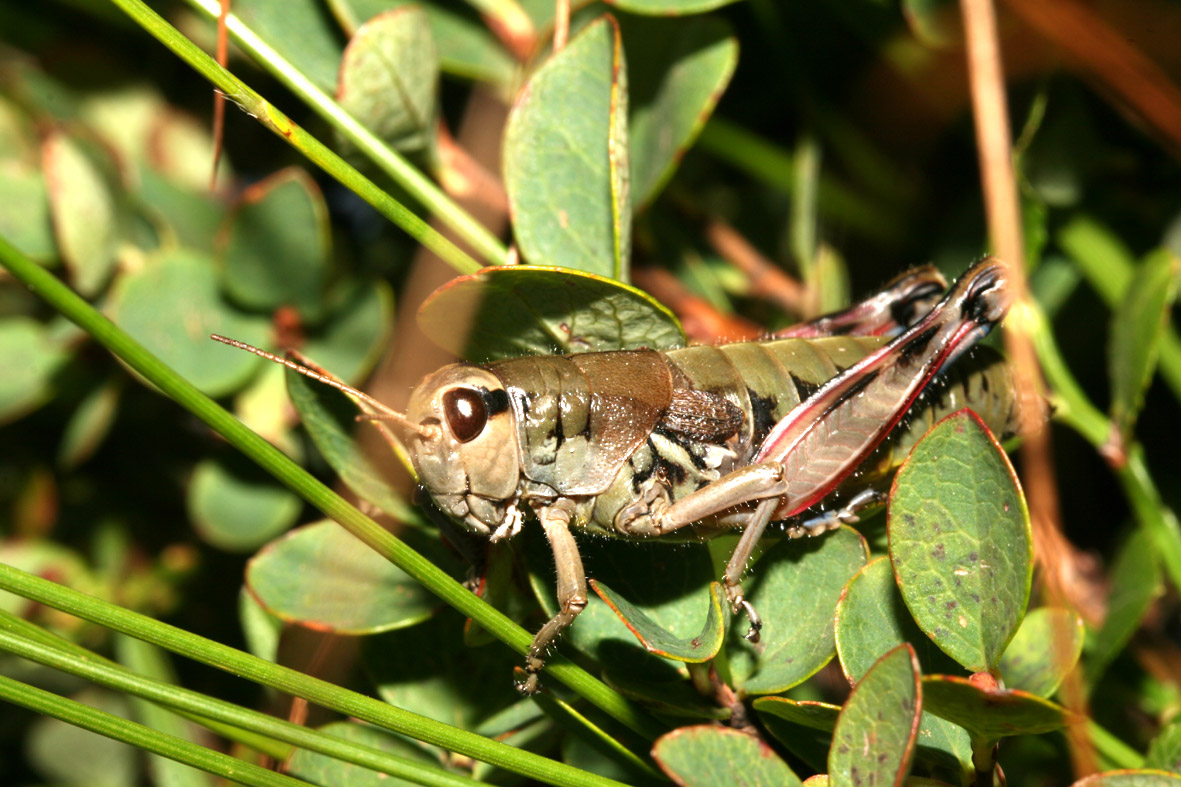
384 412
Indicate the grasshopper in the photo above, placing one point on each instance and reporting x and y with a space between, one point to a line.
697 440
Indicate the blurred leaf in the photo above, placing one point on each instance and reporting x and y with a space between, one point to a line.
301 31
1106 260
237 507
323 769
322 577
669 7
813 715
260 628
874 739
675 697
1138 778
936 23
171 305
389 78
706 756
1165 750
467 48
871 618
524 310
797 638
1137 328
356 330
656 639
69 755
31 358
566 158
25 219
1045 648
960 541
427 669
85 209
89 424
193 217
330 418
677 71
990 715
278 249
1136 582
51 560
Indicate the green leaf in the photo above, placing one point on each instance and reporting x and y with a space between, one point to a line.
1045 648
25 219
427 669
171 305
260 629
356 330
871 618
677 71
1139 778
301 31
874 739
84 205
1136 582
797 637
330 418
675 698
467 48
31 358
277 247
960 541
566 158
1165 750
1104 258
657 639
1137 329
669 7
805 728
237 507
322 577
193 217
89 424
707 756
524 310
323 769
61 751
990 715
389 79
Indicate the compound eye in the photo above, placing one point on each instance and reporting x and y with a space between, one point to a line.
465 413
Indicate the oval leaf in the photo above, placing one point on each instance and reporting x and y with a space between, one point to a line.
565 158
814 715
237 507
960 541
298 30
669 7
677 71
467 48
31 357
706 756
277 246
520 310
1137 328
874 739
25 220
871 619
659 640
1045 648
990 715
83 206
797 637
171 306
389 78
322 577
1165 750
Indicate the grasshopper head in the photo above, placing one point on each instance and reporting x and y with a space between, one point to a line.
465 451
